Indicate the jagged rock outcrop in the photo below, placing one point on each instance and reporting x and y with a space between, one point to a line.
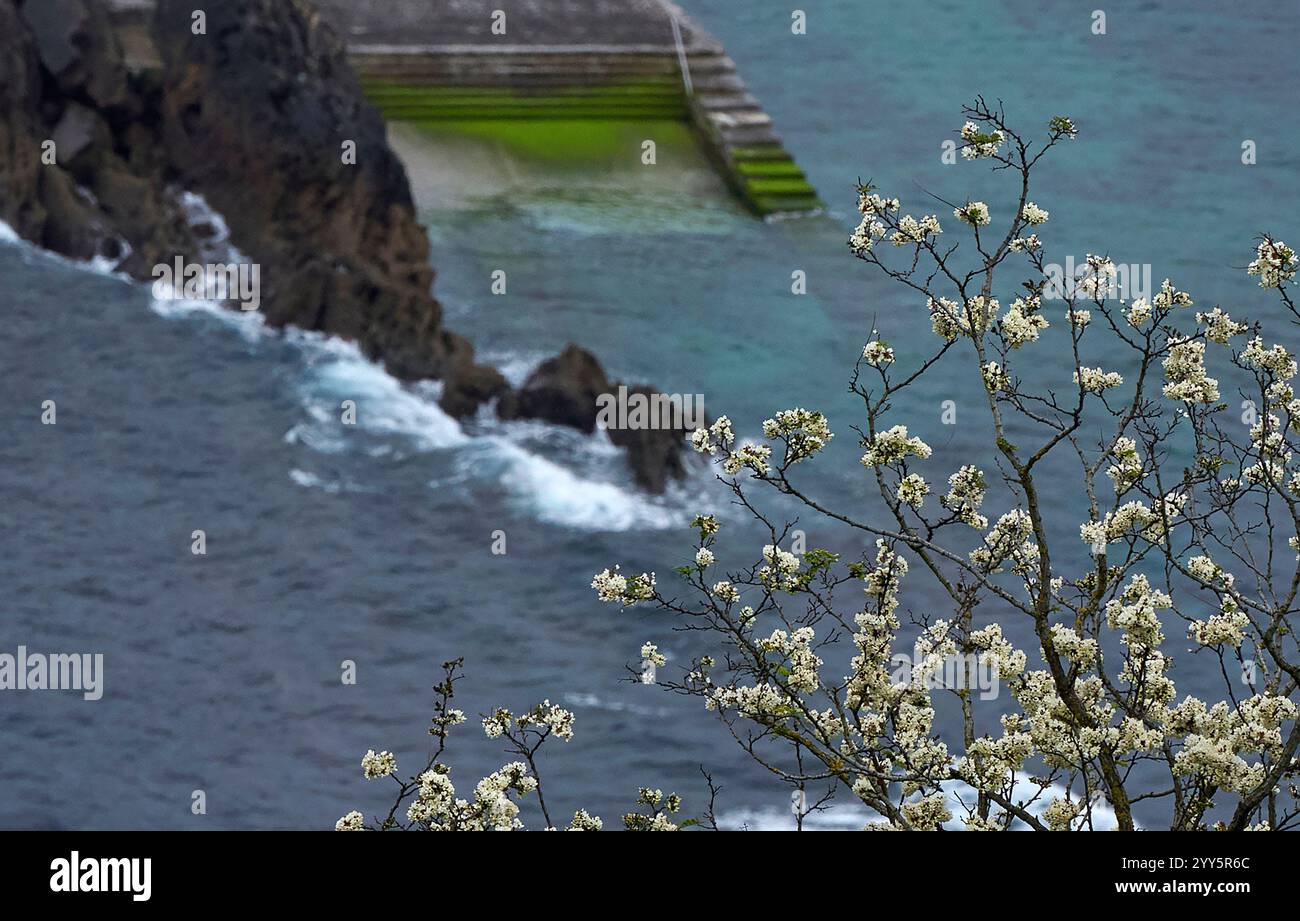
263 116
62 80
562 390
565 389
260 113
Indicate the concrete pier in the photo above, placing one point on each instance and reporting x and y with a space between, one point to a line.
448 61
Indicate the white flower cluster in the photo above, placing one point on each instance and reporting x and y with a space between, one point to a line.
1078 649
545 717
877 354
1098 278
650 653
1219 327
751 456
1126 472
1024 244
1185 377
1228 627
913 232
1133 517
1217 738
804 432
758 702
546 714
1022 322
979 143
1134 613
1033 214
1208 571
1275 361
873 208
912 490
375 765
725 592
1139 313
927 813
1097 380
1062 812
975 213
781 571
612 586
892 446
949 321
353 821
796 649
1003 540
1169 297
995 378
884 580
1274 263
1272 451
585 821
661 808
965 495
718 439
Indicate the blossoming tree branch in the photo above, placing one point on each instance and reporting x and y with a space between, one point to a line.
1188 526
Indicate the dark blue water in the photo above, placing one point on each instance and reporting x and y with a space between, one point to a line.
373 543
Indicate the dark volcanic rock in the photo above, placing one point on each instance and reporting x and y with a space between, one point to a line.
71 226
62 79
471 385
564 390
20 128
257 112
79 49
654 454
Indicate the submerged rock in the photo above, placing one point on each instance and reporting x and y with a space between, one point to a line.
566 390
562 390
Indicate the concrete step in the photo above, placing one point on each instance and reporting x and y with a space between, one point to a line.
729 119
743 153
750 170
491 95
726 102
571 66
787 204
635 113
719 83
749 135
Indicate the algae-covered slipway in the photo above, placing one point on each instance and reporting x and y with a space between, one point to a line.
561 79
564 78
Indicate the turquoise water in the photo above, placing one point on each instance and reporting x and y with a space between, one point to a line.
373 545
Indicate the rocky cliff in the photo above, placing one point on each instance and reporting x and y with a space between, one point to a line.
260 113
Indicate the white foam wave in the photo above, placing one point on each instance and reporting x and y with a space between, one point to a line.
558 495
337 371
248 323
384 406
99 265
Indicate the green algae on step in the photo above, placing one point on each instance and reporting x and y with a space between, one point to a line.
578 142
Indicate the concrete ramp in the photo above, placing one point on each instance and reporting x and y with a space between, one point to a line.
440 62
